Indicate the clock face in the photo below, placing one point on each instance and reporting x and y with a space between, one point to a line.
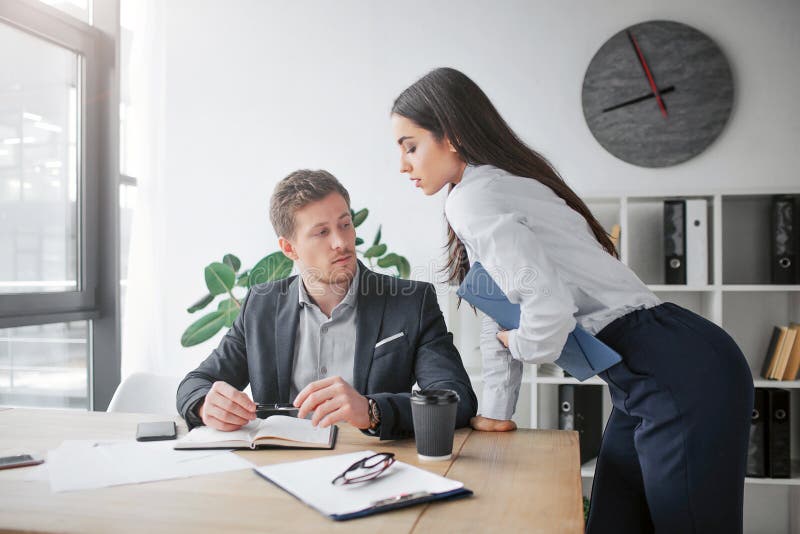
657 93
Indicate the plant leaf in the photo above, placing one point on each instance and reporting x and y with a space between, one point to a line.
359 241
377 240
375 251
244 279
219 278
270 268
230 311
232 261
360 217
200 304
404 267
390 260
203 329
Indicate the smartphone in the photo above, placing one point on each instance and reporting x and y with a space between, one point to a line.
21 460
156 431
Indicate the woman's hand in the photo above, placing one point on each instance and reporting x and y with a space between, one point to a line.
485 424
503 337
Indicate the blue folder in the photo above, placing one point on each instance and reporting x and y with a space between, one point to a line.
583 355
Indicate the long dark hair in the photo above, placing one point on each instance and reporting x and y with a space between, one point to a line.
449 104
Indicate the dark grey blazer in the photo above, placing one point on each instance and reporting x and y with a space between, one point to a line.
259 350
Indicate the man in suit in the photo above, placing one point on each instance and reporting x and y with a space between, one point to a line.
339 341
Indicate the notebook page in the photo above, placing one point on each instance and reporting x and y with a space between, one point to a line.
206 434
294 429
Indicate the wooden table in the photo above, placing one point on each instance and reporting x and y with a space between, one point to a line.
528 480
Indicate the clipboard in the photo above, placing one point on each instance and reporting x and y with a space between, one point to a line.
583 355
402 485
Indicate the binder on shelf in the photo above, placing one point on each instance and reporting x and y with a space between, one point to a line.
779 434
793 365
756 448
675 242
696 242
580 408
775 344
784 267
583 355
782 356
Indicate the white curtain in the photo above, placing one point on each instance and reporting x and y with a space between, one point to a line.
142 348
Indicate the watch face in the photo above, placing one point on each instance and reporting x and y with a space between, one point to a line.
657 93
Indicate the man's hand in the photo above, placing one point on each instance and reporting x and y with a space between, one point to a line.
226 408
486 424
333 400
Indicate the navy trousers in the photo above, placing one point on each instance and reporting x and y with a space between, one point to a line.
674 449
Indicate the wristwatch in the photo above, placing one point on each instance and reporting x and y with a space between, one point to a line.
374 415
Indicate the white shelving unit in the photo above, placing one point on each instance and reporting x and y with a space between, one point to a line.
738 297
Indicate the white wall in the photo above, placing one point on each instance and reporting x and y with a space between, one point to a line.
256 89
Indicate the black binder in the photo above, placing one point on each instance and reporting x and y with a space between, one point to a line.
778 434
784 240
674 242
581 409
756 449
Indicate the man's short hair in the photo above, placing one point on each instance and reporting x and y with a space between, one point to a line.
300 188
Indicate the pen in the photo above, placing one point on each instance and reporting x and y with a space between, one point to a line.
277 407
401 498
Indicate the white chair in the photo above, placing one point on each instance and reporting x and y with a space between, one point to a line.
146 393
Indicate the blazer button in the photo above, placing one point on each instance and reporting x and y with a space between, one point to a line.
323 370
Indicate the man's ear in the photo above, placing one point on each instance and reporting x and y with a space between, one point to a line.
287 248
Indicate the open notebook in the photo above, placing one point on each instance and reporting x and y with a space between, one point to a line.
276 431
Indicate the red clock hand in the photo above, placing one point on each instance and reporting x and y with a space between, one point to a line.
647 73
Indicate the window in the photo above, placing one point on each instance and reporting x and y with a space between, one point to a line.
45 365
59 203
38 165
80 9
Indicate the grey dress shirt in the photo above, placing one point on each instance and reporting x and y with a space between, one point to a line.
324 346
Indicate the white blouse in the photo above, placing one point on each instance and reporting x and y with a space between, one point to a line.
544 256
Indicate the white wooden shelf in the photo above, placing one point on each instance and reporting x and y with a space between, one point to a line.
760 287
782 384
587 471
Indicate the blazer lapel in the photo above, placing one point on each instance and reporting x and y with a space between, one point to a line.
369 317
286 321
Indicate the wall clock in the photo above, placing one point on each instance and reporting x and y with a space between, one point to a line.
657 93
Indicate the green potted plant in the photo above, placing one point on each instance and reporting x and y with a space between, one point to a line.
225 279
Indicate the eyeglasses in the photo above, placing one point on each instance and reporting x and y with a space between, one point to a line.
366 469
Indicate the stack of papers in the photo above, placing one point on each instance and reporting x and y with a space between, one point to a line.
87 464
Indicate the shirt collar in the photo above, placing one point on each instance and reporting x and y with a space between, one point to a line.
470 171
348 300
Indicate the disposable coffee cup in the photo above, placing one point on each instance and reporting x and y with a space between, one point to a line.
434 414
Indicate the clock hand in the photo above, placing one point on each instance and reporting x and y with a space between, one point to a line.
639 99
647 73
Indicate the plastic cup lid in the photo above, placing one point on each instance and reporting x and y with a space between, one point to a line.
434 396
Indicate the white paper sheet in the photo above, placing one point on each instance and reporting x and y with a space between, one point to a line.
310 481
85 464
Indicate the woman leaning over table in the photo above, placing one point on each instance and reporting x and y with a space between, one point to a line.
674 449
